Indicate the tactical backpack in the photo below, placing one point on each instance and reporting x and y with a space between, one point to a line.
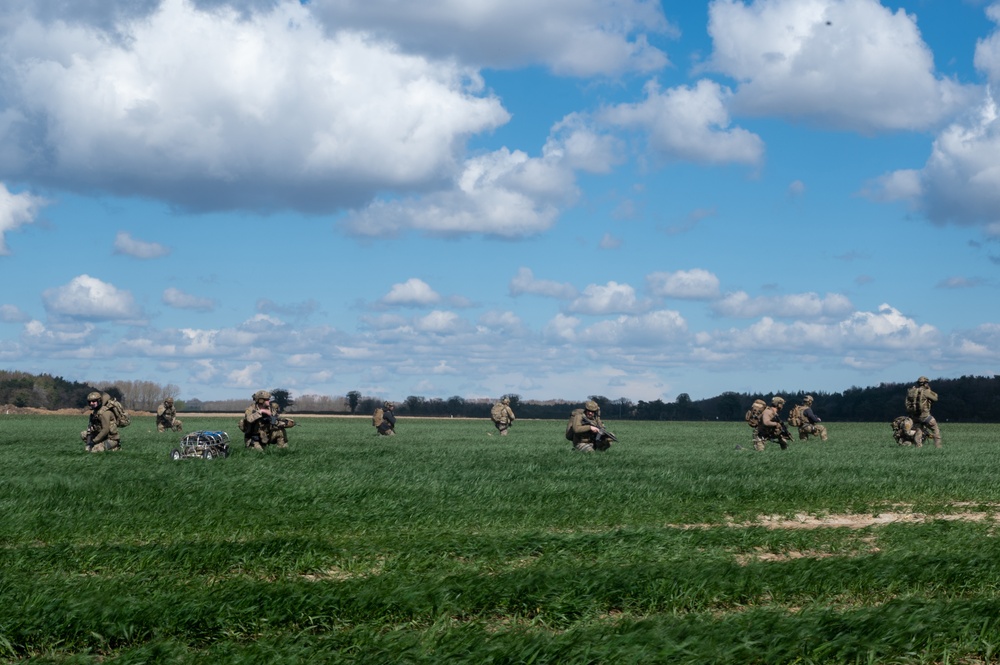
497 412
913 401
569 425
755 412
377 418
795 418
119 414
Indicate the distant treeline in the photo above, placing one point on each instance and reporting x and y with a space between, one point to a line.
973 399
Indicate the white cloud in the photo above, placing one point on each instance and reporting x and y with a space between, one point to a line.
850 64
16 210
177 298
439 322
89 298
652 329
215 108
12 314
129 246
960 182
987 58
799 305
688 124
524 282
611 298
581 38
504 193
248 376
695 284
413 293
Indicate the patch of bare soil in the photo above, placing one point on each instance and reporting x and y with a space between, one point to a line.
853 521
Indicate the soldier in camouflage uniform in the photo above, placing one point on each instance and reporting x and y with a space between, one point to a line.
102 430
261 426
584 429
770 427
905 434
502 415
388 425
811 423
919 399
166 417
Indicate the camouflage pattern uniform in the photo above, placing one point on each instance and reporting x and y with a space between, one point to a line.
810 422
388 426
769 428
261 426
919 399
166 417
906 434
102 430
505 416
584 435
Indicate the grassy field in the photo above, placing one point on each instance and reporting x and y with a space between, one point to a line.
448 544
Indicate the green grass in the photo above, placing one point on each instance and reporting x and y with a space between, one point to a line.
447 543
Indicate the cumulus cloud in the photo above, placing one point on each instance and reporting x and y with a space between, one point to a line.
505 193
439 322
580 38
16 210
12 314
798 305
859 333
611 298
213 108
411 293
129 246
651 329
248 376
848 64
180 300
524 282
987 58
688 124
88 298
696 284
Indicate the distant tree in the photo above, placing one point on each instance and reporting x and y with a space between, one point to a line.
283 398
515 400
353 397
456 405
415 404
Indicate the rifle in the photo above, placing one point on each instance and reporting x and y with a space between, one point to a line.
784 437
602 431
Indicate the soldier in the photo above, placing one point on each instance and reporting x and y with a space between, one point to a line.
502 415
260 426
586 430
385 423
919 399
102 430
906 434
770 427
809 422
166 417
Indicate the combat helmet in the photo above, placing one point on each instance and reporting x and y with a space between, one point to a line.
923 381
169 400
505 400
388 406
808 399
94 397
261 395
778 401
591 405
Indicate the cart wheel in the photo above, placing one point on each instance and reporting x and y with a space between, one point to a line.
225 452
206 454
175 454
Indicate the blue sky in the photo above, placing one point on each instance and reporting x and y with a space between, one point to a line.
555 199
